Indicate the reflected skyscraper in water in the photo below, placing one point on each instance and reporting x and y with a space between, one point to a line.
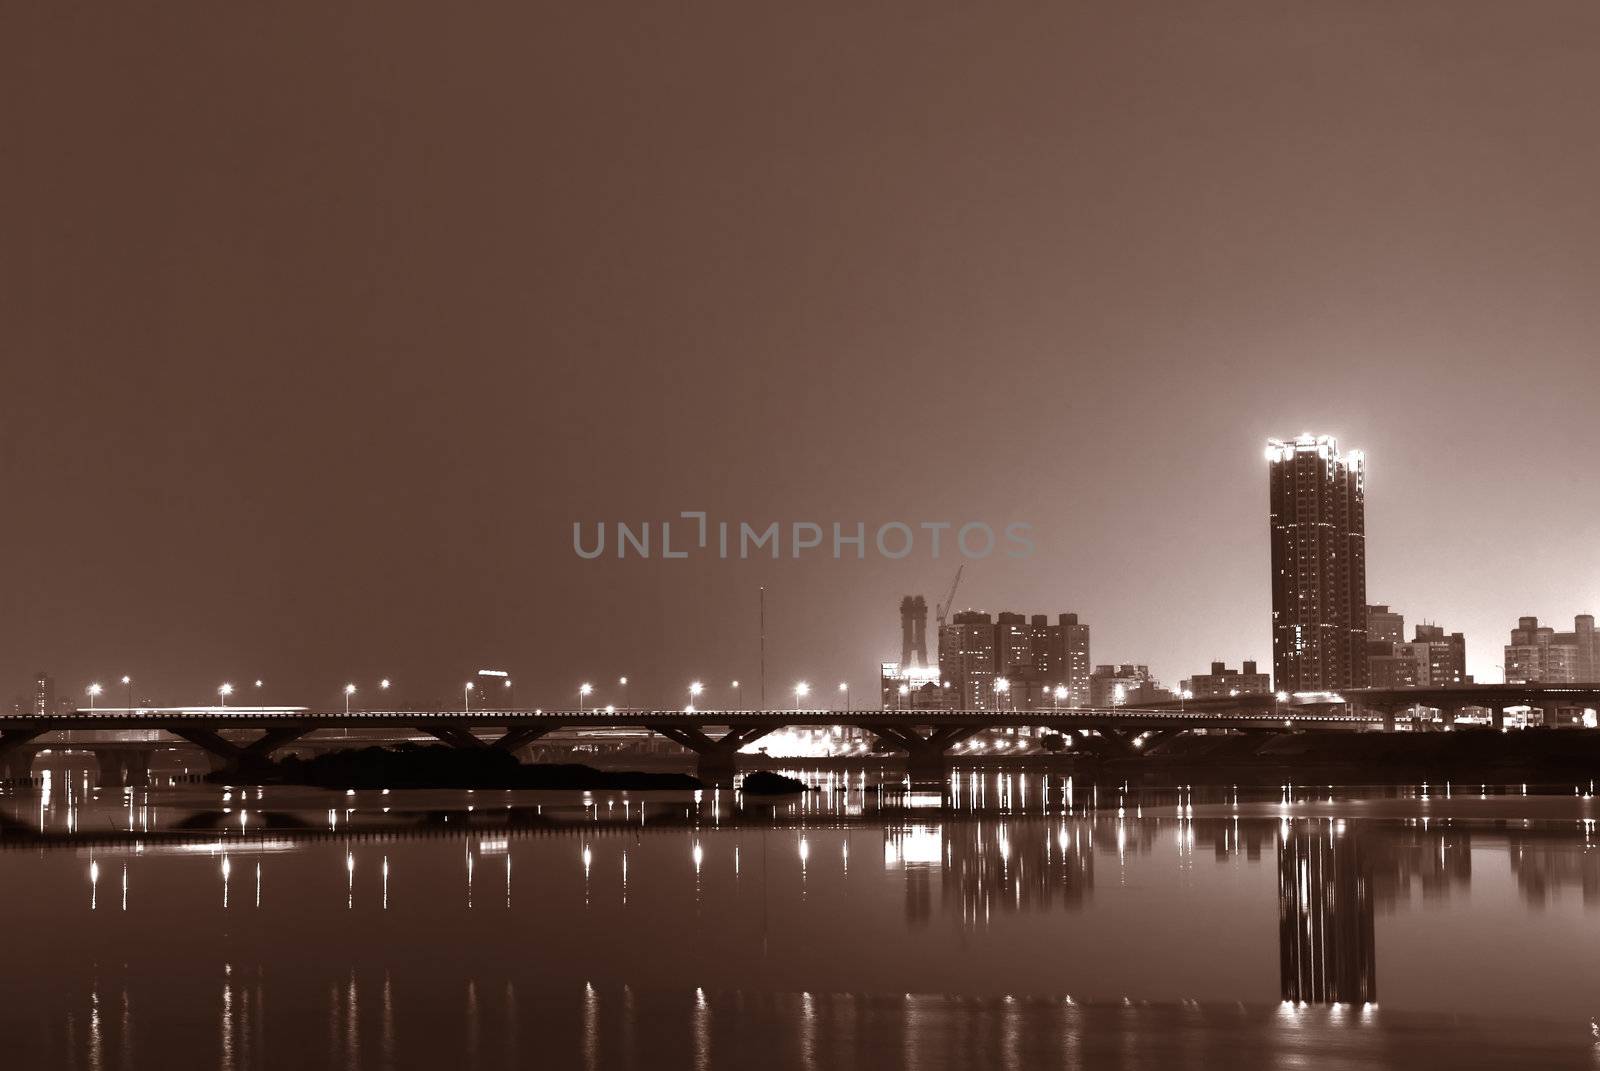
1325 916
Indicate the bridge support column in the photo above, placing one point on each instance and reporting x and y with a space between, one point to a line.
227 755
1497 714
123 767
927 757
717 761
517 738
17 752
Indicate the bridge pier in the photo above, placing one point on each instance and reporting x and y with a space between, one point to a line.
225 754
122 767
927 757
717 761
17 752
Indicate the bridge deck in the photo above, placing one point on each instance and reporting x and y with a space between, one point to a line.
272 717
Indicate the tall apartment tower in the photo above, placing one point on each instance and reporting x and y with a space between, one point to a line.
1319 565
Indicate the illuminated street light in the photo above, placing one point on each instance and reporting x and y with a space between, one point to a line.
1059 694
466 698
127 687
622 683
845 688
349 690
94 690
1001 687
584 691
225 691
801 690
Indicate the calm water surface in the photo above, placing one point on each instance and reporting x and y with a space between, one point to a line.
1015 920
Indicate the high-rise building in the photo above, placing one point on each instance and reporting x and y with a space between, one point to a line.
966 659
44 694
1222 682
1319 572
1041 665
1538 654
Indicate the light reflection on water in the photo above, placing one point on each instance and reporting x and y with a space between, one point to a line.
1010 919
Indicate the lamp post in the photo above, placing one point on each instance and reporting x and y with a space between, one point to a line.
127 688
900 696
845 688
695 688
225 691
93 690
583 693
801 690
466 698
735 695
349 690
1057 696
1001 687
260 695
622 683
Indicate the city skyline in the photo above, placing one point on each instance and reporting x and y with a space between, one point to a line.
431 687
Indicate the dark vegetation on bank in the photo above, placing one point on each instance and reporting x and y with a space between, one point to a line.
439 766
767 783
1472 754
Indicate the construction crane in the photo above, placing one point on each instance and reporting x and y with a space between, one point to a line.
943 609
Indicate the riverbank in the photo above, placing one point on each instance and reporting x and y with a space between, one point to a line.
1463 755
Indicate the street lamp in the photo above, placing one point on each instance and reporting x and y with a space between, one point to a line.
94 690
801 690
695 688
622 683
127 686
349 690
260 702
1059 695
903 691
225 691
845 688
583 692
1001 687
735 695
466 698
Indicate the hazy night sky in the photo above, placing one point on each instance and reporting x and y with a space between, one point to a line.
322 324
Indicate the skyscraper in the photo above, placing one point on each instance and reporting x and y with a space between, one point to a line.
1319 574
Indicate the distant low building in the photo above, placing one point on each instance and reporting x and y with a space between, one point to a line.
1431 658
1538 654
912 687
1014 661
1440 658
1222 682
1385 625
1125 685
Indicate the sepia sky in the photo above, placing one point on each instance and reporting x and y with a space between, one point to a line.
322 324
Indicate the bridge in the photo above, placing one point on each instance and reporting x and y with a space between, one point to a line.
238 736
